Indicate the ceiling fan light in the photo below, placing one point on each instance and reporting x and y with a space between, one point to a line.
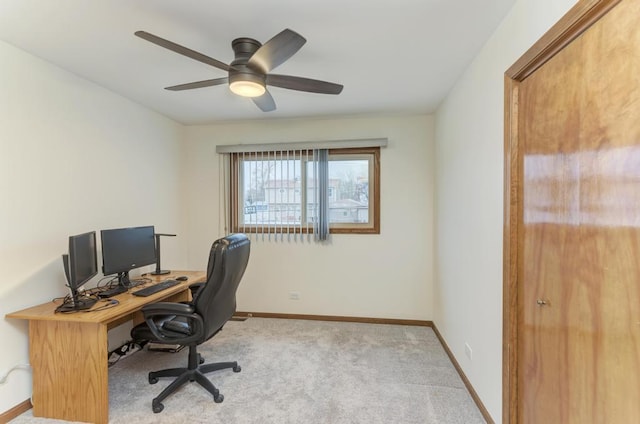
247 88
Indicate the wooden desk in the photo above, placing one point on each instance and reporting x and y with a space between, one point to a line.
68 352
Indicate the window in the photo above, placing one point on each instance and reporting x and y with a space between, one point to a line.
282 192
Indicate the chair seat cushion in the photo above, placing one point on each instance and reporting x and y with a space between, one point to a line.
177 325
170 324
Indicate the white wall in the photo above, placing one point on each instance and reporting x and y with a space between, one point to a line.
469 215
387 275
74 157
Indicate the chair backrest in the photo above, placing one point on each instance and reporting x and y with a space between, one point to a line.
215 302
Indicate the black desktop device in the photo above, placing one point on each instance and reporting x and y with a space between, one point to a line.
80 265
124 249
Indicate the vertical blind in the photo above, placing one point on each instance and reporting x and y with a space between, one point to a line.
281 194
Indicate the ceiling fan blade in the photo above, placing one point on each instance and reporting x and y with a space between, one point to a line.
182 50
303 84
276 51
265 102
198 84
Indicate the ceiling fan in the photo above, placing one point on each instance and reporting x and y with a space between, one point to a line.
248 73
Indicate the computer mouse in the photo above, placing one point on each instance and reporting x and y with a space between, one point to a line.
182 278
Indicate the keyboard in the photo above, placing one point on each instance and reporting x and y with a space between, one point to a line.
158 287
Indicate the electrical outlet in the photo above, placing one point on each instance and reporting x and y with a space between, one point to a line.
294 295
468 351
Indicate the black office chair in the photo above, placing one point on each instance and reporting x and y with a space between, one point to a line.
195 322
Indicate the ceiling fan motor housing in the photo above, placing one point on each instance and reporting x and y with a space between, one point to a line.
244 48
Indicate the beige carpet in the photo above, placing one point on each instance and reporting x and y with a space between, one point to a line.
300 372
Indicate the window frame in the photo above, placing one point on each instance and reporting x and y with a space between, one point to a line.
373 227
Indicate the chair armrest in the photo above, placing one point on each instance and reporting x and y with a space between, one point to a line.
196 286
194 289
164 309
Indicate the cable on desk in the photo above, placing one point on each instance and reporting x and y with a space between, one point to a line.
109 303
69 300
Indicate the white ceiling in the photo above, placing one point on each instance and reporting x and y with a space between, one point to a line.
392 56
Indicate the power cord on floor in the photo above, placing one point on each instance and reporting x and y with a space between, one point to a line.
124 350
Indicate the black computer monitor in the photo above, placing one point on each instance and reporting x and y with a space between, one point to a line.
80 265
124 249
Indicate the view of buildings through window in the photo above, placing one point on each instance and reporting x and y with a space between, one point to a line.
275 191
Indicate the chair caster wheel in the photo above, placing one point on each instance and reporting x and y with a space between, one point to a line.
157 407
200 359
218 399
152 379
237 368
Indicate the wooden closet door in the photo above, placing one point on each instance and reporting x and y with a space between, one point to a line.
578 245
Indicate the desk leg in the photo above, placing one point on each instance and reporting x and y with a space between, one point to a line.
70 377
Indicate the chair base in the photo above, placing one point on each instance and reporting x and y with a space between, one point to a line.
194 372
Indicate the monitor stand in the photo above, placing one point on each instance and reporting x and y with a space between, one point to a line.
77 302
159 270
123 285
